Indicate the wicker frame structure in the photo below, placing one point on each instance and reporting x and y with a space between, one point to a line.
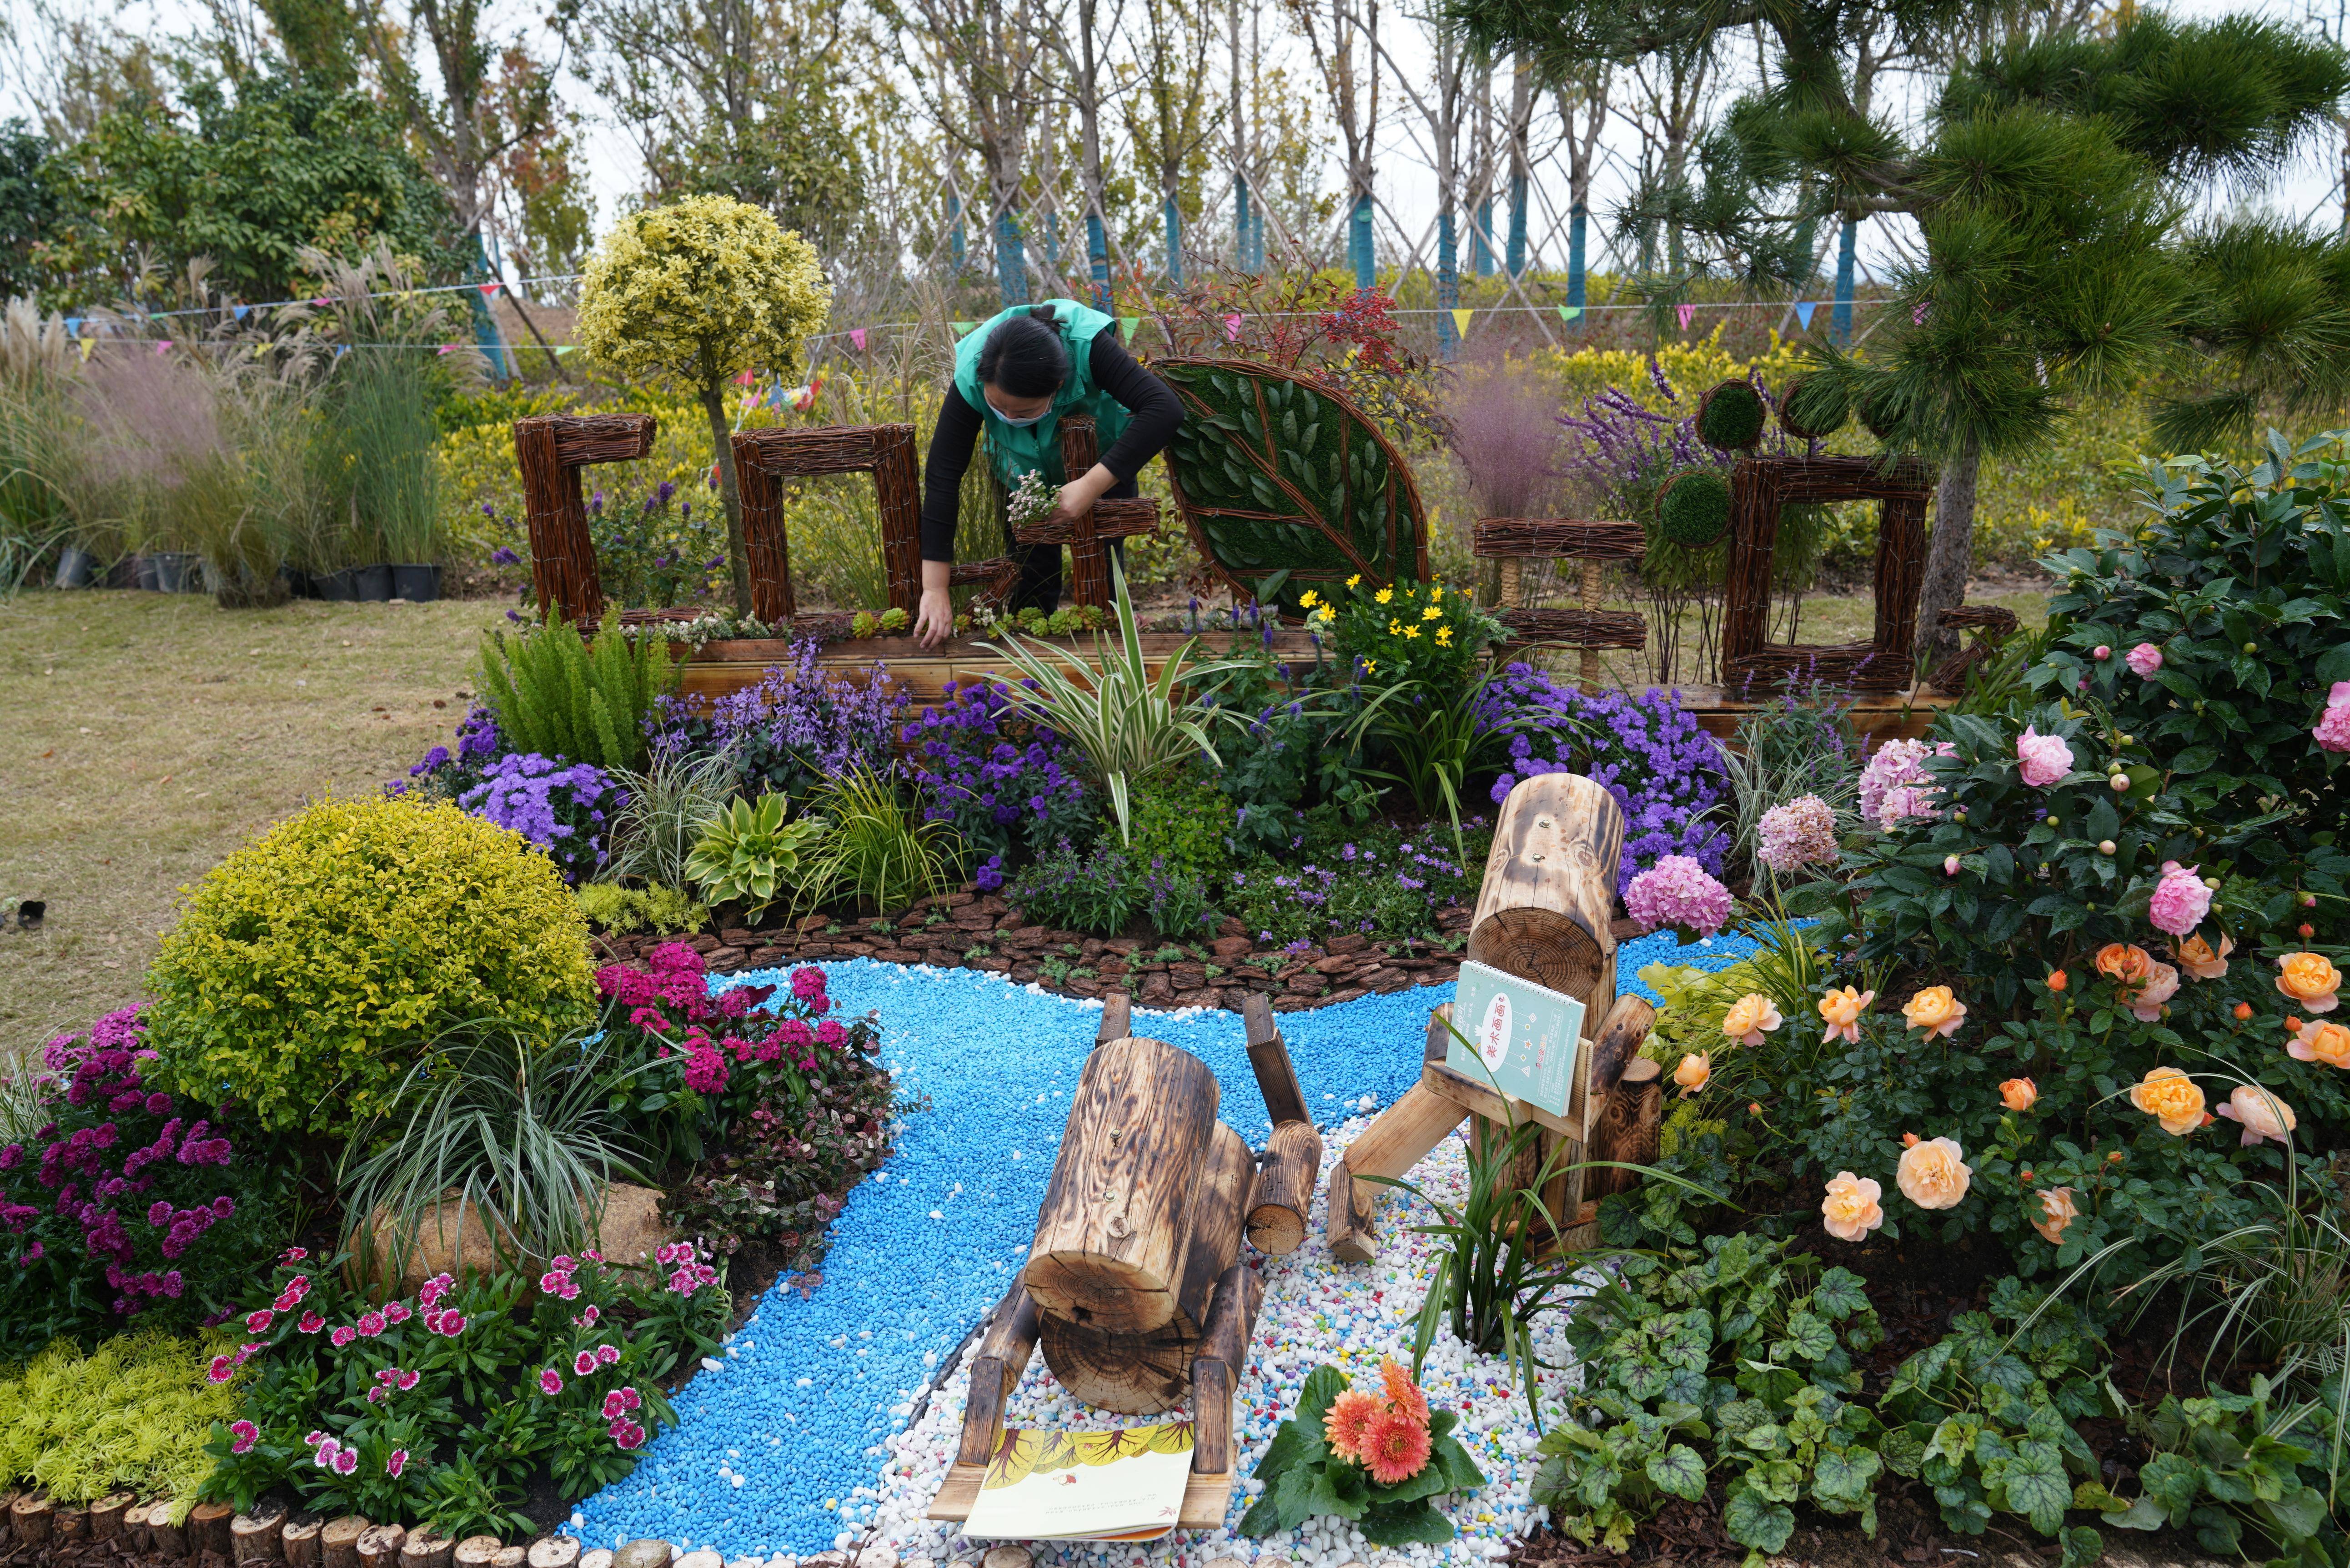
1105 520
766 458
551 450
1759 487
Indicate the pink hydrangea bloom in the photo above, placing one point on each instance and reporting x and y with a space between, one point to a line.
1677 892
2044 758
1895 786
2144 660
2333 731
2180 899
1800 833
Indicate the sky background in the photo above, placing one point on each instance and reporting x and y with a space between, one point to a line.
2308 189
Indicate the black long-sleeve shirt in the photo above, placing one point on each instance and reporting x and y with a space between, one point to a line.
1152 404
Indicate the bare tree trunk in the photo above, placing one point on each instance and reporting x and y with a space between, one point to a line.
738 550
1948 557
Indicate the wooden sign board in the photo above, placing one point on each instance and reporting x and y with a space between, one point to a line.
1523 1039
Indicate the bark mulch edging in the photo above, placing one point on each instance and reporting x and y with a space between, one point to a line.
968 930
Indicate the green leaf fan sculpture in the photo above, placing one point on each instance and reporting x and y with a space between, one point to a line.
1274 472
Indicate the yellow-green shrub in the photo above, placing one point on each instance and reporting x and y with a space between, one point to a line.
132 1415
664 910
308 968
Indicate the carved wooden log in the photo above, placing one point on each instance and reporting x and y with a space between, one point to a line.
1115 1224
70 1524
1628 1129
519 1557
257 1537
1617 1041
1292 1168
1144 1373
1276 1076
105 1515
426 1548
134 1527
299 1541
339 1541
379 1545
475 1550
1550 889
1002 1356
554 1551
208 1525
167 1539
1389 1147
1217 1367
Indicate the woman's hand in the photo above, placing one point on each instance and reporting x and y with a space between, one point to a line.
935 619
1077 496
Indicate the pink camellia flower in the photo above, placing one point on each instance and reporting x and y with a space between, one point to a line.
259 1322
2161 985
1677 892
2333 728
2261 1114
396 1463
1949 864
550 1381
245 1435
311 1322
607 1354
371 1324
220 1370
2044 758
2144 660
347 1461
2180 899
583 1364
2102 652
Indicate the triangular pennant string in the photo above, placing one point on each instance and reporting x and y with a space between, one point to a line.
239 311
1804 309
1569 312
489 291
965 328
1233 328
1461 321
1127 324
1685 312
856 335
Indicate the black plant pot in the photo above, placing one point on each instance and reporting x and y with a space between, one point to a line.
143 572
76 568
340 588
178 572
416 585
298 583
374 583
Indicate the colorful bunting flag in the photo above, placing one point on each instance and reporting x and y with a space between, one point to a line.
964 329
1127 324
448 348
239 311
73 326
856 335
164 345
1685 312
86 345
490 290
1804 309
1461 322
259 349
343 348
1233 328
565 348
1569 312
744 380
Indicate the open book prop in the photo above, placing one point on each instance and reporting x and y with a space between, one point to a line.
1083 1486
1137 1288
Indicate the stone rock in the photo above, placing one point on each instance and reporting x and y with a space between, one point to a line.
1347 993
702 1558
1337 965
992 964
451 1236
1305 985
875 1556
646 1552
1234 925
1008 1557
1157 991
1352 942
1292 1004
632 1224
702 942
941 957
1125 947
601 1557
1231 947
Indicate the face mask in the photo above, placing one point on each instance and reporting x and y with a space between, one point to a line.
1015 424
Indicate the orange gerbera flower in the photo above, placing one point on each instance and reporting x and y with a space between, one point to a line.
1402 1392
1395 1449
1348 1423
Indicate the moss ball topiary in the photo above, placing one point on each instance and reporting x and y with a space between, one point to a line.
1814 407
1730 416
1693 508
309 970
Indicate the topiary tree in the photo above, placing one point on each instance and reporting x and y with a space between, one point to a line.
309 969
701 291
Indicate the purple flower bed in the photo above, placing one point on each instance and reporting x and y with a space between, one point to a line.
1001 780
1648 751
798 726
124 1204
559 808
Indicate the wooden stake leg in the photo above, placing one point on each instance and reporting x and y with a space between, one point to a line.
1002 1356
1399 1139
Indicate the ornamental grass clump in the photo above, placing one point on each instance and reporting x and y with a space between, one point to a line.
309 969
702 290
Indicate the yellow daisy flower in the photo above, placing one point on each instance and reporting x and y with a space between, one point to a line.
1394 626
1353 580
1432 613
1325 614
1384 595
1443 637
1411 632
1307 600
1370 666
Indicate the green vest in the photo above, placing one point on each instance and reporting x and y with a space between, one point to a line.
1015 450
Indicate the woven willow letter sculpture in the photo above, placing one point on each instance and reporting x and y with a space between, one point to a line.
1276 474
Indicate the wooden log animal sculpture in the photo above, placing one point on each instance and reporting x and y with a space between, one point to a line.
1542 915
1137 1286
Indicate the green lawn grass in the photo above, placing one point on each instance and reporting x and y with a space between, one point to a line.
147 735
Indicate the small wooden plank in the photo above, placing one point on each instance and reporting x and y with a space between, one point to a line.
1470 1095
1118 1018
1206 1499
1003 1354
1268 1054
1399 1140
